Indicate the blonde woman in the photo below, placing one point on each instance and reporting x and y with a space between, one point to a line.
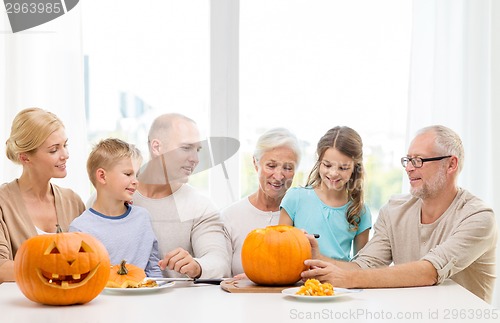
31 204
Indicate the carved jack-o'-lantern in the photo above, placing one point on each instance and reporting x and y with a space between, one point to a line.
62 268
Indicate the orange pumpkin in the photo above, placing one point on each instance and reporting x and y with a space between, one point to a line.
125 275
62 268
275 255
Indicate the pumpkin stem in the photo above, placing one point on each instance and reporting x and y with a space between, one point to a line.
123 269
58 230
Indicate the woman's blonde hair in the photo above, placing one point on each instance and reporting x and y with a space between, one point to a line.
30 128
348 142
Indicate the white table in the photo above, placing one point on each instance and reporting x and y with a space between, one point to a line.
186 302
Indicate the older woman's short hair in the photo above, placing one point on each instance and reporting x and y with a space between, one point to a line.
274 138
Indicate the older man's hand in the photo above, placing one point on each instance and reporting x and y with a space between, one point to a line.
327 272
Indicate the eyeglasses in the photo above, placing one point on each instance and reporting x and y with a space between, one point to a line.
418 162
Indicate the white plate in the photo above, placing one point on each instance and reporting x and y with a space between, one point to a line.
140 290
338 292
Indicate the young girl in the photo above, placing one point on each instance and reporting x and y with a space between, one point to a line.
331 204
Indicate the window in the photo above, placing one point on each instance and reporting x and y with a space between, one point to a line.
143 59
310 65
305 65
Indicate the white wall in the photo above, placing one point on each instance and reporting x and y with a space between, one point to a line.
495 117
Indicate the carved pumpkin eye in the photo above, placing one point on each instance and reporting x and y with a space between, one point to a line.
52 249
85 248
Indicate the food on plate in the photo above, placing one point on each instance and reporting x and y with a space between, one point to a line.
313 287
126 276
148 283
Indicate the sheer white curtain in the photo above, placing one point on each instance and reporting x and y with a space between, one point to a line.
453 82
43 67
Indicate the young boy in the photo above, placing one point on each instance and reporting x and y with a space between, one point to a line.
123 228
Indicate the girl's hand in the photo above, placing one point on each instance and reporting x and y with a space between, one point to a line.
314 246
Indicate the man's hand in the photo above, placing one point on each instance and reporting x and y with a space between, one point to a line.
182 262
327 272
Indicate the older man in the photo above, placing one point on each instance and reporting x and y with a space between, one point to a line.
439 231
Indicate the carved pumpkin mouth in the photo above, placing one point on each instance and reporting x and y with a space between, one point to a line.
65 281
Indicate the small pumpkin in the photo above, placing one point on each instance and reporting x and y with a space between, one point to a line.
125 275
61 268
275 255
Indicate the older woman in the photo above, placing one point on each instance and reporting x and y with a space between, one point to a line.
275 158
31 204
